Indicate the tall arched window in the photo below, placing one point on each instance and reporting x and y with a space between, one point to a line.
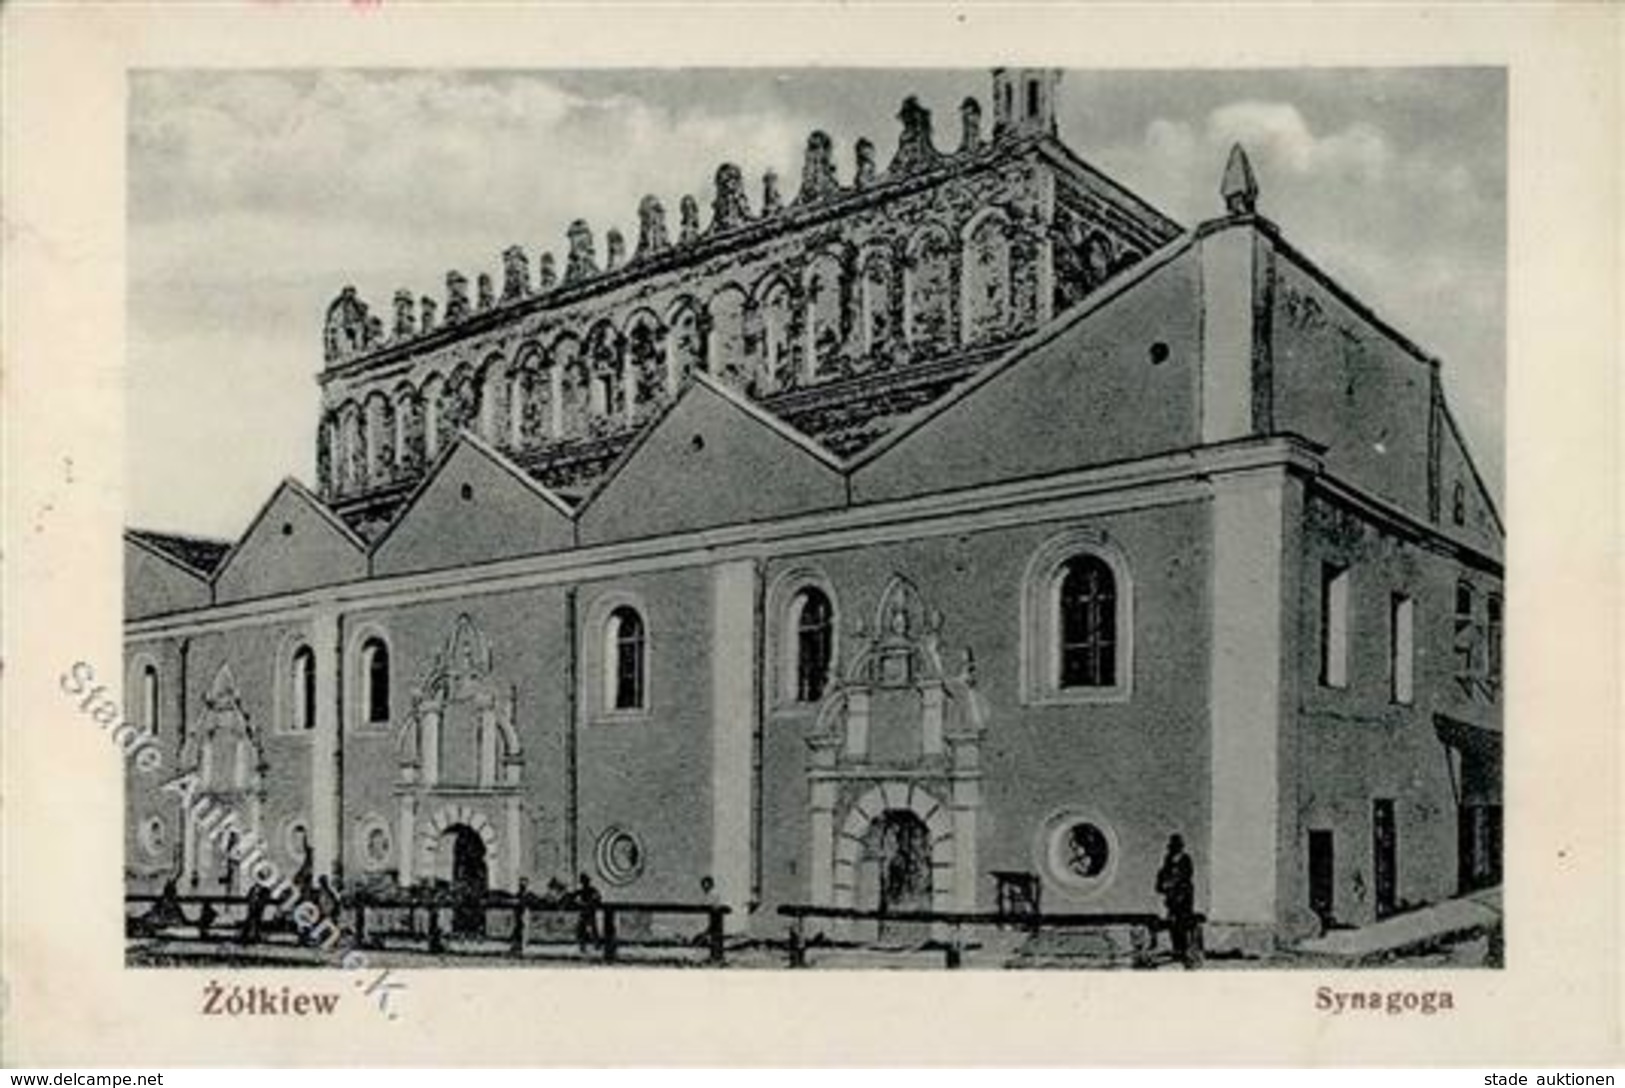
374 682
1087 623
302 680
812 626
625 660
149 697
1077 625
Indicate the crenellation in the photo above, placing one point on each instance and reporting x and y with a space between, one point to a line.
651 228
818 180
485 293
772 202
730 208
614 249
426 315
547 276
582 262
689 211
456 297
405 325
970 126
915 149
515 273
863 152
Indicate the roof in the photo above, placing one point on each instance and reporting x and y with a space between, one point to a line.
197 553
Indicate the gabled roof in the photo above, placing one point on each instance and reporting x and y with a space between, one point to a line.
198 555
352 548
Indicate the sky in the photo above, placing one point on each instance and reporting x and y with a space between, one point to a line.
255 196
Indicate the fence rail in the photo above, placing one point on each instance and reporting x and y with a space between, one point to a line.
1143 926
600 925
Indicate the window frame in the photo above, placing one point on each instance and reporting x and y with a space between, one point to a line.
601 665
1041 650
361 701
1402 649
302 709
1336 624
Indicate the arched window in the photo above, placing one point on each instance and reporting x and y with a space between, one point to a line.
149 697
302 679
1077 622
986 278
374 682
1087 621
812 642
625 660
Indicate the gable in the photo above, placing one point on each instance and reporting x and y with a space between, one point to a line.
1095 390
1458 478
474 508
294 544
711 460
155 585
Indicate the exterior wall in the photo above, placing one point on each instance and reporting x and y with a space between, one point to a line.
155 586
291 546
1342 381
1120 404
751 472
650 773
1357 744
1479 525
148 864
1138 765
500 517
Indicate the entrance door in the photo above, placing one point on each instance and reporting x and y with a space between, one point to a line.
469 880
1478 847
902 853
1321 876
1384 855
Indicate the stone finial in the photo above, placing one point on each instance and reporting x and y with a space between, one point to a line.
485 293
456 297
970 125
688 211
729 207
515 273
772 202
915 149
374 333
547 275
615 250
818 181
1239 188
345 331
651 228
405 325
864 151
426 311
582 262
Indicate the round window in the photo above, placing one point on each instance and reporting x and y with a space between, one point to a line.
619 856
153 837
377 845
1078 850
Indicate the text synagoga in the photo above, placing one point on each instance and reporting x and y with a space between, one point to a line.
885 541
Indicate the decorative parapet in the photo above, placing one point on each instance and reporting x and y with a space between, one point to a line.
515 273
818 181
864 152
730 208
456 297
651 228
915 150
689 211
582 262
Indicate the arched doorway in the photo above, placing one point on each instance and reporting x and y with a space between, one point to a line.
470 879
894 871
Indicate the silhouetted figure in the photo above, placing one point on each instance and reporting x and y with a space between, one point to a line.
205 920
586 901
1176 883
166 911
254 921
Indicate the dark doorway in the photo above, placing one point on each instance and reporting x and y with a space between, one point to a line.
1384 855
1322 870
899 848
1478 847
469 881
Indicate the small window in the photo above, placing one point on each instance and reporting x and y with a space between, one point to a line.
625 660
375 682
1032 99
1088 624
1466 642
303 682
1334 626
1402 643
1458 504
149 698
1492 606
813 630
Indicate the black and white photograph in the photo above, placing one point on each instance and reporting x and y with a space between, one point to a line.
934 519
722 536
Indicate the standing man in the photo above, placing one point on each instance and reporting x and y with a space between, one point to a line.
1176 883
587 900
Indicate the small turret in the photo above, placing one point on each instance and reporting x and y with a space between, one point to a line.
772 203
915 148
863 151
614 249
729 207
818 181
970 126
485 293
688 210
1239 188
1024 102
583 261
651 228
515 273
456 297
547 273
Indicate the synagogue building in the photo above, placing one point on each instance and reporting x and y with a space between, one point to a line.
892 536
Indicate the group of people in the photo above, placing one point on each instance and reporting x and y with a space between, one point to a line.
584 898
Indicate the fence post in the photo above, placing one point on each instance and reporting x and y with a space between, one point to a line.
518 937
435 944
951 954
714 932
798 943
610 950
360 921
